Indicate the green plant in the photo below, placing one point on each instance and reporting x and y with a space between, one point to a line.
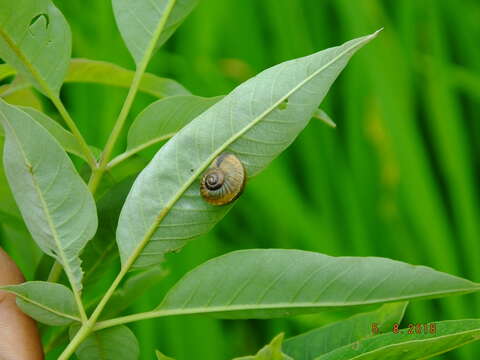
164 209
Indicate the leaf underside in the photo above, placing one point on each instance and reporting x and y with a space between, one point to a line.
105 73
275 282
272 351
46 302
35 39
448 335
327 338
164 118
117 343
55 203
164 207
139 23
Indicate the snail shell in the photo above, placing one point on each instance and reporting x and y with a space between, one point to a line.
224 181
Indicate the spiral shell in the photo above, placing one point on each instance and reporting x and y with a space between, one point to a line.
224 181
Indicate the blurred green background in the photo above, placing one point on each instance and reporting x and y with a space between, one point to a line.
398 178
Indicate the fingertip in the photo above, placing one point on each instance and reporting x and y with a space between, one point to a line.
19 338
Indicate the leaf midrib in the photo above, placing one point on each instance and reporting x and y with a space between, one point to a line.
40 305
166 209
434 338
43 84
136 149
7 71
72 77
286 305
159 312
46 210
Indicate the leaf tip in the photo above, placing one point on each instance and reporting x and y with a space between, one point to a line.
375 34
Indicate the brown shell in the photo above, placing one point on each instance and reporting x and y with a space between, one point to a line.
224 180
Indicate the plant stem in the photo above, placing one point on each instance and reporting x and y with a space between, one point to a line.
132 318
117 129
88 326
127 105
73 127
54 97
82 333
55 272
97 174
81 309
124 156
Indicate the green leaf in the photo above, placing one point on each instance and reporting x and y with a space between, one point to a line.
8 207
36 40
24 97
323 116
146 24
270 283
134 287
6 71
272 351
161 356
164 118
161 120
101 72
320 341
99 254
448 335
55 203
165 208
117 343
49 303
17 241
64 137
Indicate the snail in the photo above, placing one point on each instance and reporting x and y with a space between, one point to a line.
224 181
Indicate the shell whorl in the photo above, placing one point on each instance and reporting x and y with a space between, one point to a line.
224 181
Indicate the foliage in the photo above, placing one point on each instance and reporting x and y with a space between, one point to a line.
62 200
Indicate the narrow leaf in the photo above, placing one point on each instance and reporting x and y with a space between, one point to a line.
323 116
165 208
146 24
320 341
101 72
271 283
105 73
8 207
24 97
161 120
161 356
54 201
64 137
6 71
272 351
48 303
36 40
444 336
117 343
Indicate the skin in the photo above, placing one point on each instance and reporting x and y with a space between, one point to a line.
19 338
